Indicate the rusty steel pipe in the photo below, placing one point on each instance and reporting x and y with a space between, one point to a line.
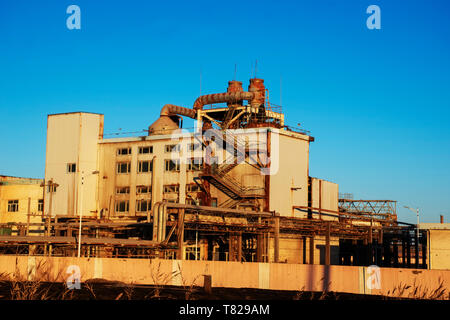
222 97
170 109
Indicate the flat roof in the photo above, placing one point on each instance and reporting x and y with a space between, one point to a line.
74 112
434 226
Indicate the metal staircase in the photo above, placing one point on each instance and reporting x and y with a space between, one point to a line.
218 174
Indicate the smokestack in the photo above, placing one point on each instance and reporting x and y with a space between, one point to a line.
442 218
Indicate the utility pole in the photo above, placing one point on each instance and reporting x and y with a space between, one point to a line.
80 213
81 209
417 233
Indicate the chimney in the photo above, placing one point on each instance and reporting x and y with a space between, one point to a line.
442 218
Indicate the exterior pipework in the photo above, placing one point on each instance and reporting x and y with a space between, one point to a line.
155 220
222 97
257 87
170 109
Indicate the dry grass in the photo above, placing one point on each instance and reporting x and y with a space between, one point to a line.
420 292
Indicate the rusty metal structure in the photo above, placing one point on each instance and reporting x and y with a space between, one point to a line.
365 231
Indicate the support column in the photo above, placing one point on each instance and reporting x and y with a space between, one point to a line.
327 244
259 247
231 251
276 239
180 235
239 248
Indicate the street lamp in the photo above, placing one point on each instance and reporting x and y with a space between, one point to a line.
417 232
417 212
81 210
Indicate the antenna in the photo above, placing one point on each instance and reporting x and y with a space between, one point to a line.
200 81
281 92
235 69
256 67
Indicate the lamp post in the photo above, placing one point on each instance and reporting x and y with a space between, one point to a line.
81 210
416 210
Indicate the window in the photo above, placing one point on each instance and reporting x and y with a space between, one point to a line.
122 206
123 151
13 205
193 187
145 150
192 253
171 188
143 189
214 202
171 193
51 188
41 205
143 205
122 190
71 167
123 167
195 147
145 166
195 164
172 165
172 148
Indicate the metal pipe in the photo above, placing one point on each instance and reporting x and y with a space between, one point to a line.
229 97
170 109
155 221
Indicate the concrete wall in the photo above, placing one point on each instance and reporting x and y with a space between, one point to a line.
274 276
324 195
289 185
72 138
439 249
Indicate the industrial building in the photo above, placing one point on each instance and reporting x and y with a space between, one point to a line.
21 205
236 188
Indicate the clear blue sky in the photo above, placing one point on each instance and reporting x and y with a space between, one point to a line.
377 101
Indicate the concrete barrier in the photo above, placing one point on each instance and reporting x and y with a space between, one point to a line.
274 276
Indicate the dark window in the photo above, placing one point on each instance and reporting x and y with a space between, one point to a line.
123 190
145 150
172 148
195 164
40 205
51 188
145 166
171 188
143 189
123 151
13 205
123 167
143 205
71 167
122 206
172 165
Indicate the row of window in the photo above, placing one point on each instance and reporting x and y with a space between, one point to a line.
141 150
139 190
141 205
168 188
194 164
13 205
145 205
167 148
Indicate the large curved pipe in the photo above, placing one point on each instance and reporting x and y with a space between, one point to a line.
223 97
171 109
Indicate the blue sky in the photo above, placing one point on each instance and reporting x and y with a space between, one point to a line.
376 101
